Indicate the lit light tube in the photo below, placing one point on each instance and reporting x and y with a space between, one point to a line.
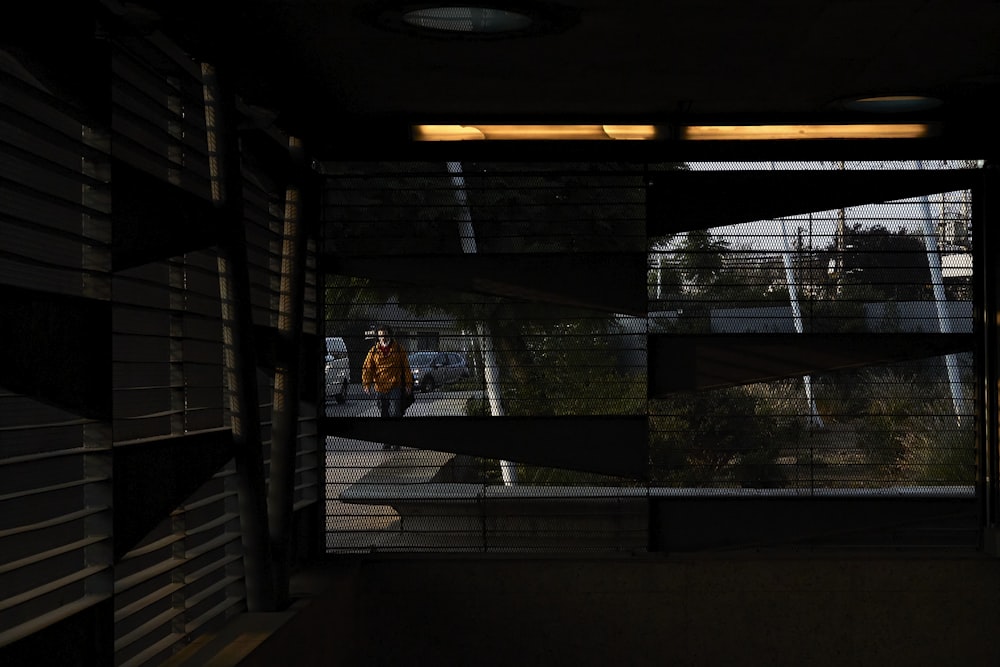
533 132
687 132
779 132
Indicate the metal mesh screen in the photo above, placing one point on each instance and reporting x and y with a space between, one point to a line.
872 301
421 209
901 266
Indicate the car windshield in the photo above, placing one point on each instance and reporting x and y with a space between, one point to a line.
422 358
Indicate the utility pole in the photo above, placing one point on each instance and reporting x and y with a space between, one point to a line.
840 245
491 371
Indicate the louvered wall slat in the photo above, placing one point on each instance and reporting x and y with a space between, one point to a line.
162 341
169 363
55 536
179 361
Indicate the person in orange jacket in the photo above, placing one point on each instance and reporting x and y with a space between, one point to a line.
386 372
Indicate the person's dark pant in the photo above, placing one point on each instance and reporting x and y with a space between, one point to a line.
390 403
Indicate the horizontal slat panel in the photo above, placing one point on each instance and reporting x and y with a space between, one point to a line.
43 116
144 402
39 476
159 622
614 282
145 595
50 585
211 522
47 173
180 223
68 519
37 505
134 375
607 445
139 321
27 625
41 439
155 652
212 615
206 548
42 556
218 587
205 419
684 200
685 363
147 573
151 545
160 594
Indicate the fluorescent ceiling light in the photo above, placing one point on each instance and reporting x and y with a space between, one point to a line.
688 132
533 132
779 132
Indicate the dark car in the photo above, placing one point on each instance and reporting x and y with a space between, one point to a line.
436 369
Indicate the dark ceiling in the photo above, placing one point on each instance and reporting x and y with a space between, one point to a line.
340 70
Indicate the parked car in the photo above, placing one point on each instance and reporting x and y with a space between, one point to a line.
436 369
338 369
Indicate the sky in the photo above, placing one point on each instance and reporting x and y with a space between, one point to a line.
820 227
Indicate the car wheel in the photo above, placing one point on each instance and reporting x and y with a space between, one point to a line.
342 396
429 383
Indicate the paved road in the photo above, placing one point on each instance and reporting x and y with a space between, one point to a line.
362 527
436 403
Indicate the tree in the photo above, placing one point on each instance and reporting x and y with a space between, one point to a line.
702 257
883 265
721 438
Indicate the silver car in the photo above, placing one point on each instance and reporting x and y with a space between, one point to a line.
338 369
435 369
